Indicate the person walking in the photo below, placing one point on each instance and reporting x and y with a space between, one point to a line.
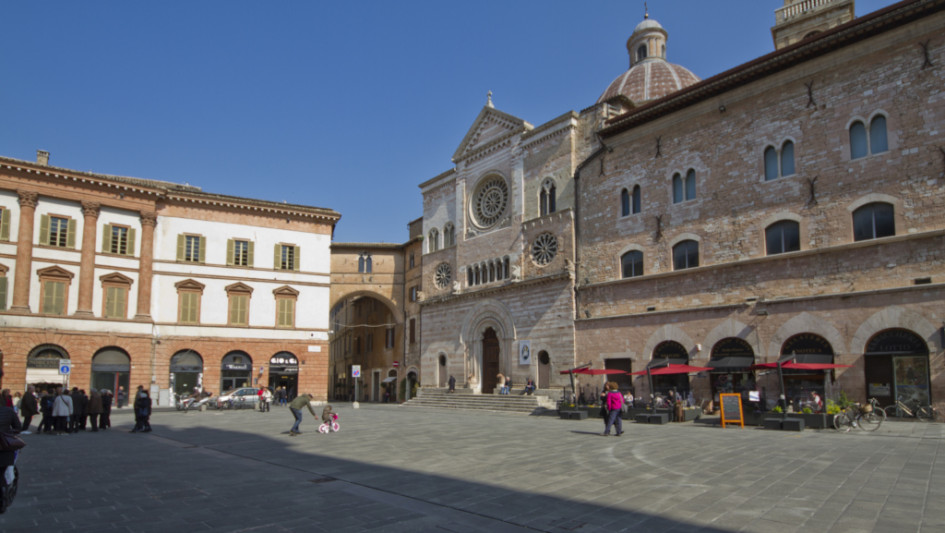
95 408
613 401
452 383
142 406
105 420
10 424
120 397
45 407
28 408
296 405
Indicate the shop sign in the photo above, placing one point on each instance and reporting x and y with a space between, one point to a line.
880 389
732 409
237 366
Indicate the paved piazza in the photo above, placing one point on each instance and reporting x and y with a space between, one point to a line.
393 468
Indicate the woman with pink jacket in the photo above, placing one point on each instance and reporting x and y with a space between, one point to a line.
613 401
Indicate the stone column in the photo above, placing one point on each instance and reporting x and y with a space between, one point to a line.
24 252
90 212
145 267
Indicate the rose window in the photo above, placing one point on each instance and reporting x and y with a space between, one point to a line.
443 275
544 249
490 201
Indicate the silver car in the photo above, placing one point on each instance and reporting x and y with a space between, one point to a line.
243 397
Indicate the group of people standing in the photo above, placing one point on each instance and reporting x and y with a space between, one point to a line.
62 410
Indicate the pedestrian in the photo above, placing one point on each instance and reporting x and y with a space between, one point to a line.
120 397
613 401
300 401
61 411
28 408
452 383
10 424
45 407
105 420
500 379
7 399
95 408
142 406
80 404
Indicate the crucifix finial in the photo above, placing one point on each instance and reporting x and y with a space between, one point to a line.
489 99
646 11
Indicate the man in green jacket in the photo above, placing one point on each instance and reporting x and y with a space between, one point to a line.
302 400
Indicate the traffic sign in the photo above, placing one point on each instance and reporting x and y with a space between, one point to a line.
355 371
65 366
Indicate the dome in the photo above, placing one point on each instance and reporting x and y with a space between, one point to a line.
649 80
650 76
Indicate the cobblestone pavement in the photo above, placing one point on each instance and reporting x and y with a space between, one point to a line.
396 468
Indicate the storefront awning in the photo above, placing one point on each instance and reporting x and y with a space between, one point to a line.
732 363
666 361
389 379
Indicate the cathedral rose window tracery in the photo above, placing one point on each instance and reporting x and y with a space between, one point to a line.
490 201
443 275
544 249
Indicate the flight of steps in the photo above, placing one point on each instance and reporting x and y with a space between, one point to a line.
516 402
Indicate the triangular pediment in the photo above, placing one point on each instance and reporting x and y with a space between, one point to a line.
117 278
490 127
189 284
54 272
238 287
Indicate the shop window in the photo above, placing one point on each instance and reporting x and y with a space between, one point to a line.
873 221
783 236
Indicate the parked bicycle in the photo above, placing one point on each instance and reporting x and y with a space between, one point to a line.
867 417
912 409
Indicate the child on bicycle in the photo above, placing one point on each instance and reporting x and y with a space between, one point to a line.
329 417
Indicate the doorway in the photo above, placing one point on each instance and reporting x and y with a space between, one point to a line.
544 370
490 361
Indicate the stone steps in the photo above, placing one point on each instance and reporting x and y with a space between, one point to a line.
465 399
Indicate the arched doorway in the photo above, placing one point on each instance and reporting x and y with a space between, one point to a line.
897 366
186 372
670 353
490 361
236 371
111 368
441 372
731 362
42 367
799 384
284 372
544 370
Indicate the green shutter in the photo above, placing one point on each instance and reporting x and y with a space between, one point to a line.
107 238
120 295
70 234
297 259
3 293
250 255
131 242
5 225
277 257
180 247
230 259
202 242
44 230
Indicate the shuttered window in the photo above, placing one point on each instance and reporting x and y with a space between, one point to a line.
189 307
3 293
239 309
118 239
4 224
286 257
116 302
57 231
285 314
54 297
239 252
191 248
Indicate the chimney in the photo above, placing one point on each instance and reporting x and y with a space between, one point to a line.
42 157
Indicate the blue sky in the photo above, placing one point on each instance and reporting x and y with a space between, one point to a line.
345 105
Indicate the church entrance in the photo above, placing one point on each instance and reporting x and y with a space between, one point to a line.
490 361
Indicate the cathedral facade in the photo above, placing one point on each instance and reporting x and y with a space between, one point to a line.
789 209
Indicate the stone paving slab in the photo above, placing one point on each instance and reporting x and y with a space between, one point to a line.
398 469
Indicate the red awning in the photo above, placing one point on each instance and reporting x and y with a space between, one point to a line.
594 371
672 369
800 366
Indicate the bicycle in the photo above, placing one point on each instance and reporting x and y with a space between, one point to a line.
901 409
324 428
868 417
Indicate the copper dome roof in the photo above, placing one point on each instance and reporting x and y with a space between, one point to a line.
649 80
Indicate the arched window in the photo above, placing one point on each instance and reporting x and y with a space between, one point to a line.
677 188
631 264
364 263
637 197
624 203
449 235
434 238
782 236
873 221
878 142
691 185
641 52
546 197
771 163
787 158
858 145
686 255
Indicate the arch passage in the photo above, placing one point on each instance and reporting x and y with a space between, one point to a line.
897 365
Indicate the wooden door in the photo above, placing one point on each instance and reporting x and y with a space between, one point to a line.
544 370
490 361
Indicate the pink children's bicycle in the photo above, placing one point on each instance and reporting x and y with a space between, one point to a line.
325 427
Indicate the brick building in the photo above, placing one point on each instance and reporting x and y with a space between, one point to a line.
789 208
142 282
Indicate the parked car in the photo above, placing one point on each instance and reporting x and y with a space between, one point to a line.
243 397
